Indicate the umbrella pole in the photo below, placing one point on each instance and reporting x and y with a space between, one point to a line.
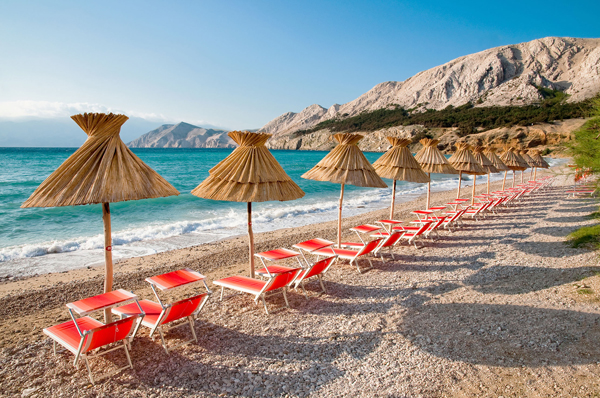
251 239
522 172
488 187
428 189
459 181
339 240
535 174
514 177
473 193
531 176
393 200
108 263
504 180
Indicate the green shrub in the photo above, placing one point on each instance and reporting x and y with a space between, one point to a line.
585 237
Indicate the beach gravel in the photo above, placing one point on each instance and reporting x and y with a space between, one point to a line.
500 307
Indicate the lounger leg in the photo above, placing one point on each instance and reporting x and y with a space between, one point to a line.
321 282
54 346
162 339
192 327
303 289
87 365
285 297
265 304
222 289
127 354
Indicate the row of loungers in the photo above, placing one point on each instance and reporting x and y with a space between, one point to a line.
84 336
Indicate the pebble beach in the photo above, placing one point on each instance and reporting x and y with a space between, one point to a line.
500 307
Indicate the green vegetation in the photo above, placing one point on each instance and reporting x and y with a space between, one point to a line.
585 147
586 237
585 291
466 117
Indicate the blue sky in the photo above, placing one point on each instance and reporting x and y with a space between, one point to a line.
239 64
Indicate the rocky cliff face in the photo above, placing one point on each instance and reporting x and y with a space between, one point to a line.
504 75
540 136
183 135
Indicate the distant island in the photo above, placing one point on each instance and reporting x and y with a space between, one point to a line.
183 135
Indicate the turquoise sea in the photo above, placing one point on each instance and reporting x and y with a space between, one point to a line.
40 240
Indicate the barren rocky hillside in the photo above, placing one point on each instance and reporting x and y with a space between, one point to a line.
507 75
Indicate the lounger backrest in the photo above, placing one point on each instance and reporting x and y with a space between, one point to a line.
392 239
369 247
423 228
109 333
438 222
319 267
182 308
281 280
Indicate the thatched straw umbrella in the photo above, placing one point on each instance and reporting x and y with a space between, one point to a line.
538 160
513 162
249 174
490 153
528 160
103 170
485 163
399 164
433 161
345 164
464 161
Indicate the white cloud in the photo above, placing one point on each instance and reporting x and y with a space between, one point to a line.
53 110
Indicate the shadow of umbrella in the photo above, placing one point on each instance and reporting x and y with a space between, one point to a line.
504 335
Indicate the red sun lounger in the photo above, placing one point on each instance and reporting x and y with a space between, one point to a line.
163 317
389 240
317 269
411 236
259 288
352 255
83 335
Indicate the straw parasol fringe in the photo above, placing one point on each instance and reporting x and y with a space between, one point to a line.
485 163
103 170
530 162
513 162
345 164
432 161
464 161
539 162
249 174
399 164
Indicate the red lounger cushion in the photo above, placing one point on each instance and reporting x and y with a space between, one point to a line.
275 269
66 333
242 283
150 308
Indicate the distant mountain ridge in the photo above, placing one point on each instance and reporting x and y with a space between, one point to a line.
506 75
183 135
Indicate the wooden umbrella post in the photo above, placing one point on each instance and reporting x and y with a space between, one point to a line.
251 239
514 178
535 174
459 182
394 200
428 189
473 193
522 172
504 180
488 187
339 240
108 263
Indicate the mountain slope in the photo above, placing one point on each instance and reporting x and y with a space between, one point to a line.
506 75
183 135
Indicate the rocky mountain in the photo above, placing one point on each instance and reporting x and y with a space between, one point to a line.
183 135
506 75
